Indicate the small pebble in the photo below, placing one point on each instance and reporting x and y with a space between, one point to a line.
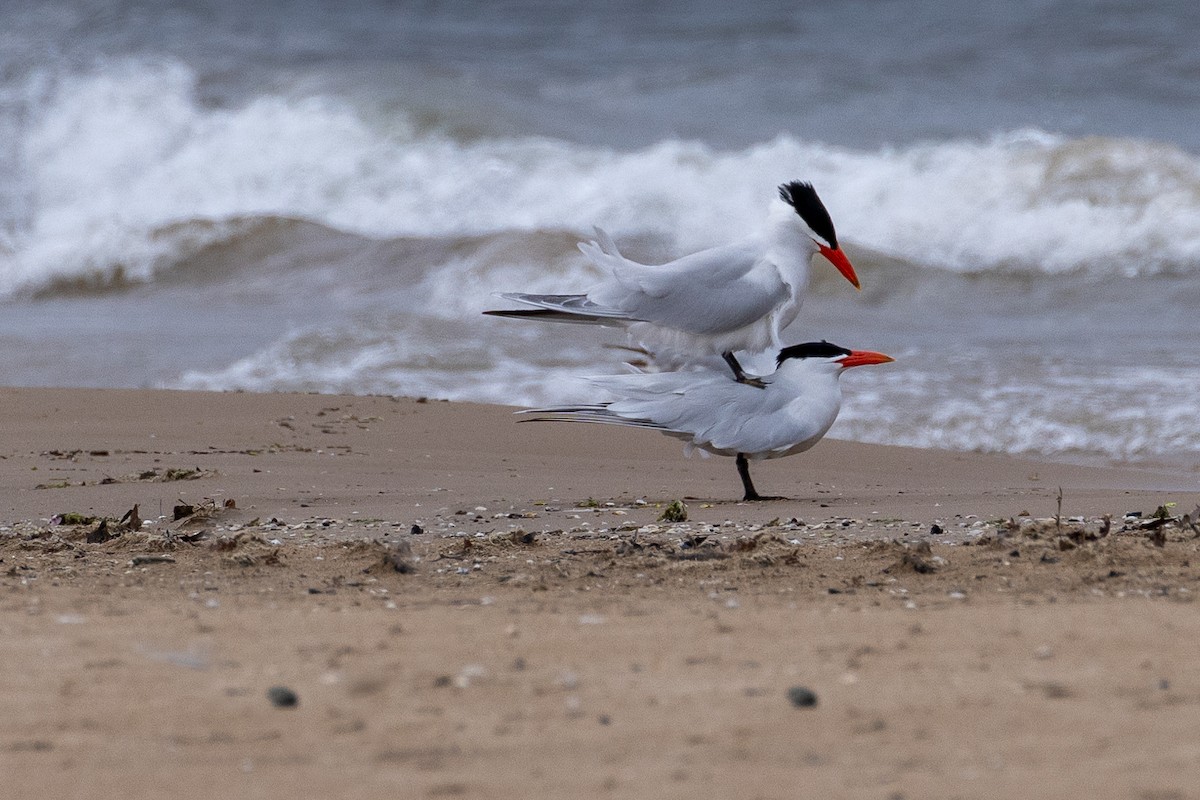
802 697
282 697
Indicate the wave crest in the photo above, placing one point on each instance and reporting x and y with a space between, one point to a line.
126 171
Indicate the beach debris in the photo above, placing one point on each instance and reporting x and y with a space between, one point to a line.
520 536
145 476
398 558
633 545
198 513
71 455
1155 527
283 697
676 511
172 474
1160 517
101 534
132 520
58 485
745 544
701 554
140 560
801 697
1192 521
225 543
416 530
917 557
72 518
464 550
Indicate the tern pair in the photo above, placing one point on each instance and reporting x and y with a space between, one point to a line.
717 302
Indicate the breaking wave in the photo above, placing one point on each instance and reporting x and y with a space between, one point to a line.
124 171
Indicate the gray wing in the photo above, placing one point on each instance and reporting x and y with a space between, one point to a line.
707 406
706 293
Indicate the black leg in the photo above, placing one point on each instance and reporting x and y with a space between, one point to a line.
738 373
743 467
744 471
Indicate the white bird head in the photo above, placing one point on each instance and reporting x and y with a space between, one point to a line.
801 198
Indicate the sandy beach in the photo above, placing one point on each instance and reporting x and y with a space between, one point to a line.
461 606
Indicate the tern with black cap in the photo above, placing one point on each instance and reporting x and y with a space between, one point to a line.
792 411
738 297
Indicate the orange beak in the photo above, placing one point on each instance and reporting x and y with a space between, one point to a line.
862 358
839 260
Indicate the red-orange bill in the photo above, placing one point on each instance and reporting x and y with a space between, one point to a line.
839 260
861 358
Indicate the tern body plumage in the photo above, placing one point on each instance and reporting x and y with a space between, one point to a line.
790 413
731 298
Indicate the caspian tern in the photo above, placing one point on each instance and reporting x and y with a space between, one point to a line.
718 301
792 412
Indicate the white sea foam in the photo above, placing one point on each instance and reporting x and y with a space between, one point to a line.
1030 407
1047 410
117 163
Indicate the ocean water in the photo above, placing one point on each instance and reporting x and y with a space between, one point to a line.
323 197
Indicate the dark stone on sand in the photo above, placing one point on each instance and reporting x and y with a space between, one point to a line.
936 530
802 697
416 530
283 697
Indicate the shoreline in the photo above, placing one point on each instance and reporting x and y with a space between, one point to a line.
266 451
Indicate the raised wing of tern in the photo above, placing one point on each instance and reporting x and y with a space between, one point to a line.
718 301
791 412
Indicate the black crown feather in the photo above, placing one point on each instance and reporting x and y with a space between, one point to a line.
821 349
803 197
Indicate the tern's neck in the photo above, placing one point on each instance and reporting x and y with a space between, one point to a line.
788 243
809 376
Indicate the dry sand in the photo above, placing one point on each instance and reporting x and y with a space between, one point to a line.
540 632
